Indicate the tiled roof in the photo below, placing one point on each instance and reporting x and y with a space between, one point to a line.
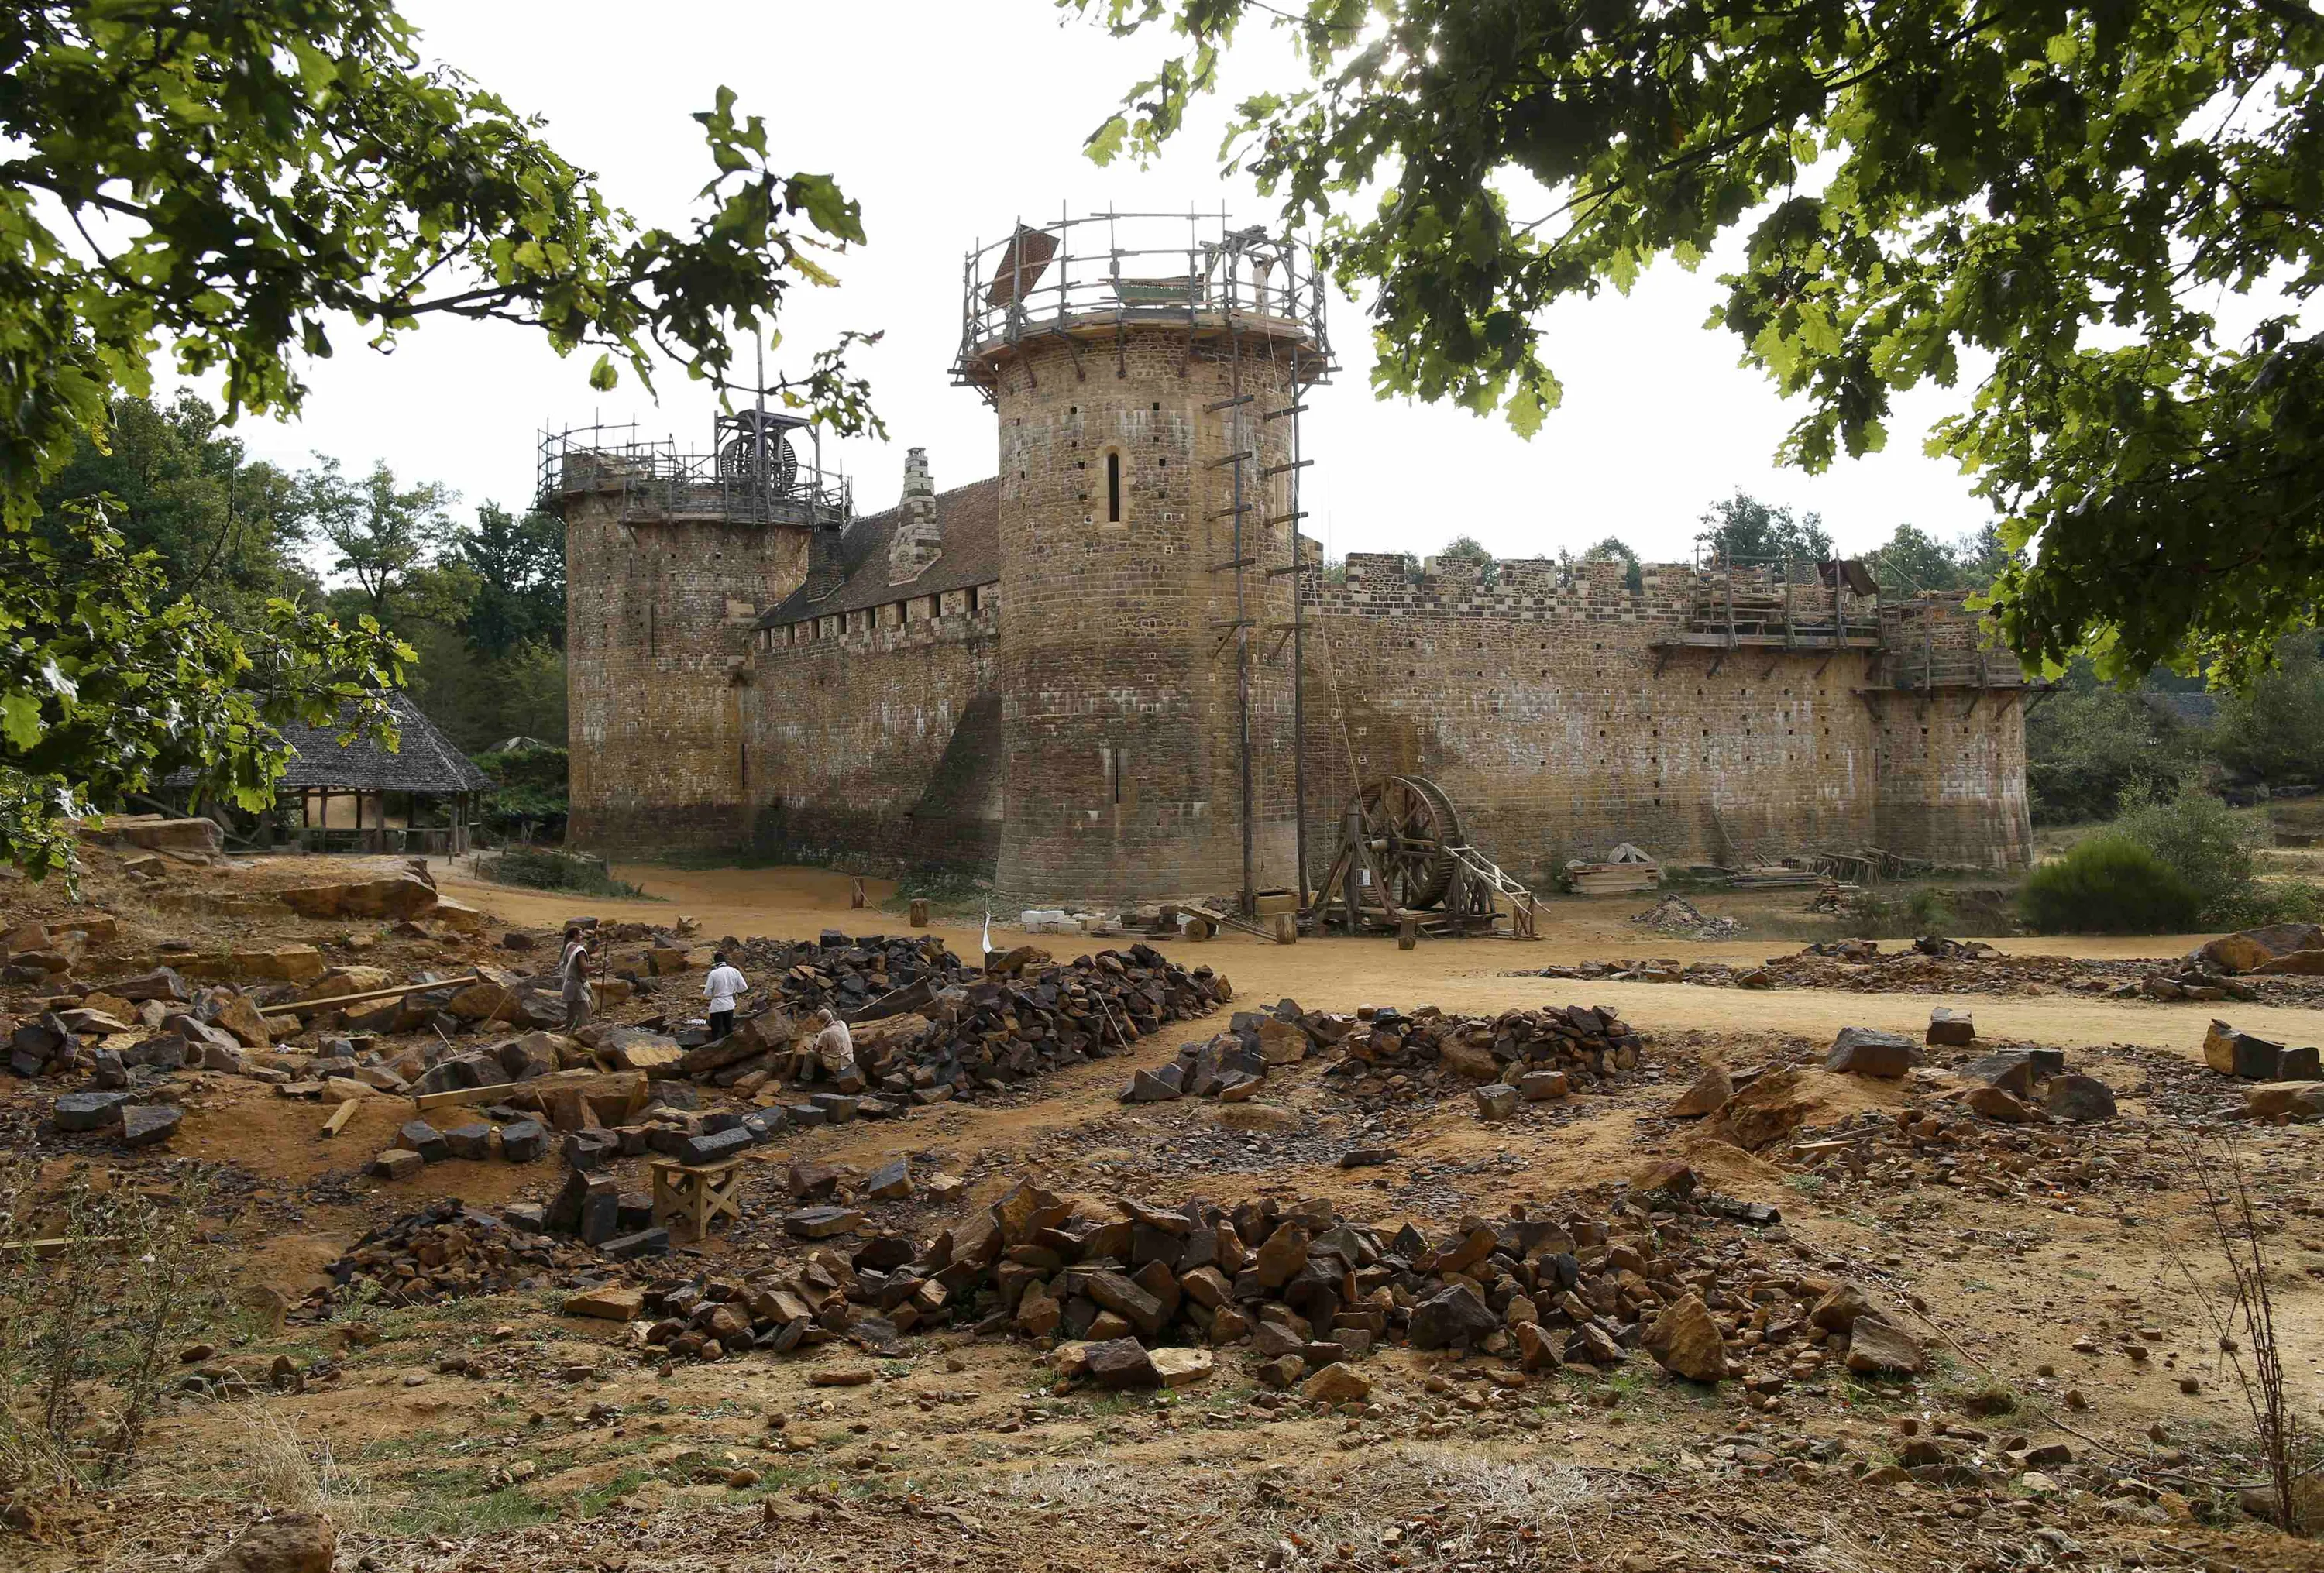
970 519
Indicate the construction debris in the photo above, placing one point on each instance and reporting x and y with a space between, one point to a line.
446 1251
1541 1054
1625 870
1680 918
1119 1294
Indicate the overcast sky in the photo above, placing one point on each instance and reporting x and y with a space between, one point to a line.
948 121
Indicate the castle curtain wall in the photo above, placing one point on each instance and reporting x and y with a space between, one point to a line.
876 736
1559 728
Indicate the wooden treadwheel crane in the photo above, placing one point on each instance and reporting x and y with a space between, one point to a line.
1402 856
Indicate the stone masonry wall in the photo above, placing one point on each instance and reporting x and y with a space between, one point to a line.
658 627
1539 709
879 744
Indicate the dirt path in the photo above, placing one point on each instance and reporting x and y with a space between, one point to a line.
1470 976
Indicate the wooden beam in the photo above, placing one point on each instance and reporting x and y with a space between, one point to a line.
310 1007
340 1116
57 1246
587 1081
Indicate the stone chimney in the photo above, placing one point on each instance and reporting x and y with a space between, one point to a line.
918 539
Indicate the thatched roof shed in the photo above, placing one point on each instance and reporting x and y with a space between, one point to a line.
424 760
423 797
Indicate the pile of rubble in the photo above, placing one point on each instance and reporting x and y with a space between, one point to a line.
983 1032
447 1251
1232 1065
1141 1294
1680 918
1010 1028
834 971
1760 1109
2283 963
1519 1055
1929 965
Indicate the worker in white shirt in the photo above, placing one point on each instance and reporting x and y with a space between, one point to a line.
720 989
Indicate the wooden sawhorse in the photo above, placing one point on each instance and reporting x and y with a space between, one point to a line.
693 1197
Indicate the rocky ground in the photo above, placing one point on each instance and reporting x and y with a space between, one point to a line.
1711 1301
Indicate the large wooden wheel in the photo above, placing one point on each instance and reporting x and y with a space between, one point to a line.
1411 826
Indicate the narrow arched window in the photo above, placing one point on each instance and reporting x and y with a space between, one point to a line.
1113 488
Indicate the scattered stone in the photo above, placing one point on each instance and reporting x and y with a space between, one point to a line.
1860 1051
2297 1101
891 1182
1768 1111
1995 1104
817 1223
1542 1086
524 1141
2252 949
1451 1317
1685 1340
1670 1176
2078 1099
89 1111
418 1136
288 1543
1120 1363
1338 1383
398 1164
611 1303
1712 1089
145 1125
1496 1101
473 1143
1950 1028
1875 1346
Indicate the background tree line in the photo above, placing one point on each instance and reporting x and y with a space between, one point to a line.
480 599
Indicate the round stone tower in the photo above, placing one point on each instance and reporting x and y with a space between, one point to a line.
1146 371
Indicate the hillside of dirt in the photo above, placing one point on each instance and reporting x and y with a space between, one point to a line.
1387 1259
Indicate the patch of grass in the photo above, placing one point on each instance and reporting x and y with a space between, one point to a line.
597 1499
1986 1398
1861 1395
946 890
444 1509
404 1444
1806 1184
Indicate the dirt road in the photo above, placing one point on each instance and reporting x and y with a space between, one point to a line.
1464 975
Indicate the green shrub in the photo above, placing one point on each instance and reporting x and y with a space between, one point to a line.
2109 884
2196 837
537 868
2267 901
1926 910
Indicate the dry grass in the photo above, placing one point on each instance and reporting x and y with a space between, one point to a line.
284 1470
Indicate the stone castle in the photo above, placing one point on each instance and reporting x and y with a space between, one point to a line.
1117 670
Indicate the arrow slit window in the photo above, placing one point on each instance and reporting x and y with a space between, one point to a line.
1114 486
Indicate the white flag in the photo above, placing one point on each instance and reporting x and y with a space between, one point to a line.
987 931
